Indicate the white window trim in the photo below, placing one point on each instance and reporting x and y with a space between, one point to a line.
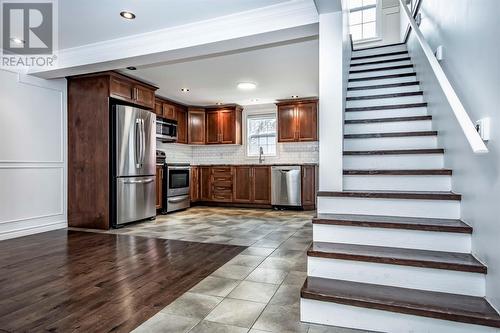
378 27
267 110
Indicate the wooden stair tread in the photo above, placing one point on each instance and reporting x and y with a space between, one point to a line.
388 68
388 54
460 308
381 62
419 195
390 134
395 152
394 95
394 222
388 120
386 107
463 262
382 77
414 172
383 86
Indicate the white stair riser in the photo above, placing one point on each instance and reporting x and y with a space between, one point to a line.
334 314
375 82
380 50
382 65
446 209
431 279
394 90
391 57
381 72
407 142
394 162
385 101
389 127
397 183
391 113
402 238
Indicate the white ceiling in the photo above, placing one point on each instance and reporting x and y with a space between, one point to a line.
279 72
83 22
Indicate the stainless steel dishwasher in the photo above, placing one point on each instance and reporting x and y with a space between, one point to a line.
286 186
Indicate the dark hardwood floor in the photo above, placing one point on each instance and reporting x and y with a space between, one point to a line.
63 281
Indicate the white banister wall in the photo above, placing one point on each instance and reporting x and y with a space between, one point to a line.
458 109
468 31
334 57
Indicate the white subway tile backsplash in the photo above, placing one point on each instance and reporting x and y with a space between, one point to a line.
300 152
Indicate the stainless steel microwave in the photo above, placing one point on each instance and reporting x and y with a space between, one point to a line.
166 130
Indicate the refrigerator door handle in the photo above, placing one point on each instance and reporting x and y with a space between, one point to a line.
138 143
143 143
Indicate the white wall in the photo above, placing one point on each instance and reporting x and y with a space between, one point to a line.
32 155
388 25
334 56
300 152
468 30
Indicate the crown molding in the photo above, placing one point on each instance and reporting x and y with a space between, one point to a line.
288 20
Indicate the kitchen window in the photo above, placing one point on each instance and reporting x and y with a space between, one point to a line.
363 19
261 132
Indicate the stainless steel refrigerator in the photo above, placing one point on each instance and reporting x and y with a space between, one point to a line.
135 164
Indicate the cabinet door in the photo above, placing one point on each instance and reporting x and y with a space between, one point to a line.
169 111
194 186
144 96
227 126
242 185
309 186
261 185
159 108
307 122
205 184
196 127
121 89
287 129
213 133
159 187
182 128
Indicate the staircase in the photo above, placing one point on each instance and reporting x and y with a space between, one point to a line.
390 252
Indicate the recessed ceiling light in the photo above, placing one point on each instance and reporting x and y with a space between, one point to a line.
246 85
131 68
184 90
254 100
17 40
219 103
295 96
127 15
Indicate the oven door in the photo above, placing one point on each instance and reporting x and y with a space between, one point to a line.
177 181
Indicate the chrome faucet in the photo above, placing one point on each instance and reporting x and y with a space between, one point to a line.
261 153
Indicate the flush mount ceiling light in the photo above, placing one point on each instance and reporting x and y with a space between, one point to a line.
131 68
246 85
185 90
127 15
17 40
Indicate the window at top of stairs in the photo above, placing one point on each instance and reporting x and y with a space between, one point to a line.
363 19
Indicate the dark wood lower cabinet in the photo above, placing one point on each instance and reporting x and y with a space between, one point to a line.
159 187
242 184
194 186
308 186
205 188
261 185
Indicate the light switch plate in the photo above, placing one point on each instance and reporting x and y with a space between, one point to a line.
483 128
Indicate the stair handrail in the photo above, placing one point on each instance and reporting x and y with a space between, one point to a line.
468 128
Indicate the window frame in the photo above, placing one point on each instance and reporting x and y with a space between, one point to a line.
378 22
260 114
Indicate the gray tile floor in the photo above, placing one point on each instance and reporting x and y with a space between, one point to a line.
258 290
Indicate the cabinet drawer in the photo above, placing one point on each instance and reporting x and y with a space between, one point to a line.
228 178
222 189
221 171
222 197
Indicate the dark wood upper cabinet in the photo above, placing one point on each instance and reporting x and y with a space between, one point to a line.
223 125
261 185
196 126
182 124
89 140
158 107
169 111
130 90
212 131
308 186
298 120
242 184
